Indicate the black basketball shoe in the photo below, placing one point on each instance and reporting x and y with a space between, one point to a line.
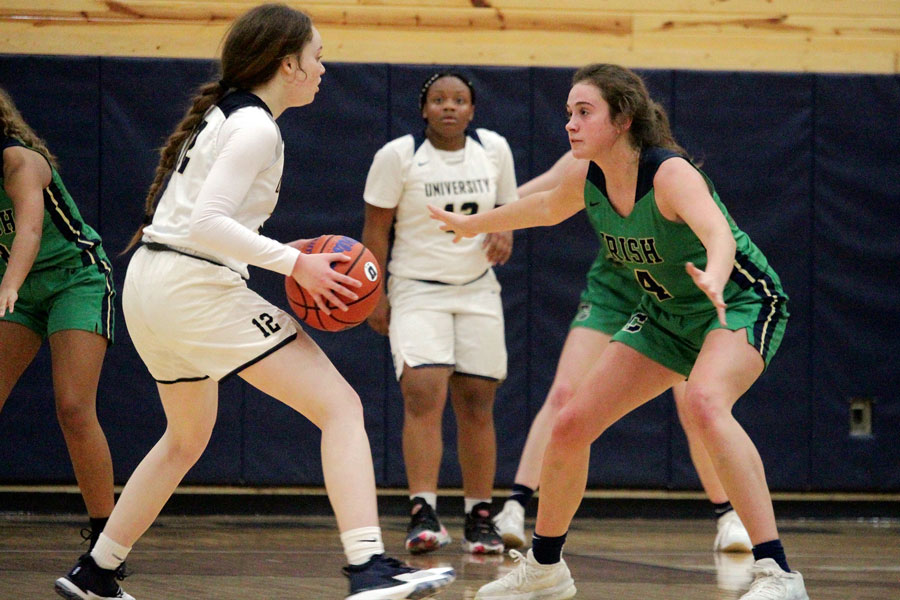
385 578
87 581
481 535
425 532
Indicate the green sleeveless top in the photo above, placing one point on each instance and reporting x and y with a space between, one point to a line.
66 240
656 250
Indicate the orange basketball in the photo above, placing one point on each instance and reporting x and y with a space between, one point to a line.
362 266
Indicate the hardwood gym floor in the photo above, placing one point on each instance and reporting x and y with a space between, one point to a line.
299 557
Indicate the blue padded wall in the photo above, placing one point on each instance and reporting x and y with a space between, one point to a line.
855 280
756 145
807 165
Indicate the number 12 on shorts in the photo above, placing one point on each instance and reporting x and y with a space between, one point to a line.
266 323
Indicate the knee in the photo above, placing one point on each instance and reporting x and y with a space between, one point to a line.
569 430
474 414
349 411
420 402
560 394
342 410
700 408
75 413
417 408
186 448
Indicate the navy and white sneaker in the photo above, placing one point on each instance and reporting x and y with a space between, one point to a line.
87 581
385 578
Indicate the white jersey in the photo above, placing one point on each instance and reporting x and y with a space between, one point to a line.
408 174
224 186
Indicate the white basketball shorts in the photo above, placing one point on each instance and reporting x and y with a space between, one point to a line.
190 319
448 325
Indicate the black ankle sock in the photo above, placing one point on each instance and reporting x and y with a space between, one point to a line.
721 509
97 526
547 550
773 550
521 494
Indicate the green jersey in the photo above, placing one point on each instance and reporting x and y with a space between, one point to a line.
655 250
66 240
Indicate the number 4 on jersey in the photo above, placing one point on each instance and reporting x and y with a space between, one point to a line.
651 286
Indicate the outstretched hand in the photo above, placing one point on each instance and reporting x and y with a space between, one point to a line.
454 223
711 288
314 274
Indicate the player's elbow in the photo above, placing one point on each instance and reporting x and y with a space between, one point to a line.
553 216
728 245
202 229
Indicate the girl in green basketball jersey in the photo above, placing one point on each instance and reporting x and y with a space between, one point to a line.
713 311
605 305
56 284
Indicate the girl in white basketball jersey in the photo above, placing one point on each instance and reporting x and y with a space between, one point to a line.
443 312
195 322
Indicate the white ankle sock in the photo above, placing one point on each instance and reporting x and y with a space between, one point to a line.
362 544
429 497
109 554
471 502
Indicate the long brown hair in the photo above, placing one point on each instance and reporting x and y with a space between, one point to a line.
253 49
14 126
628 97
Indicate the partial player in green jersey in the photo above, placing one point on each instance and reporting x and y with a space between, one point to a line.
56 284
682 247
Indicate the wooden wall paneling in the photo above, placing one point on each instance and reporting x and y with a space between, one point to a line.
776 35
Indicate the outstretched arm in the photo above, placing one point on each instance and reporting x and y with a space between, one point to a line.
541 208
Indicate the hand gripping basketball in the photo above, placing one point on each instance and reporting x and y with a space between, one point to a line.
362 266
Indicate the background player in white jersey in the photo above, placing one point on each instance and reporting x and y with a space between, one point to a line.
195 322
605 306
443 311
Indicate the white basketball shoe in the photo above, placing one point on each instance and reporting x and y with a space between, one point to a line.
510 524
530 580
771 582
731 536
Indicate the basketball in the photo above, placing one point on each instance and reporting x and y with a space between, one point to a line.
362 266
